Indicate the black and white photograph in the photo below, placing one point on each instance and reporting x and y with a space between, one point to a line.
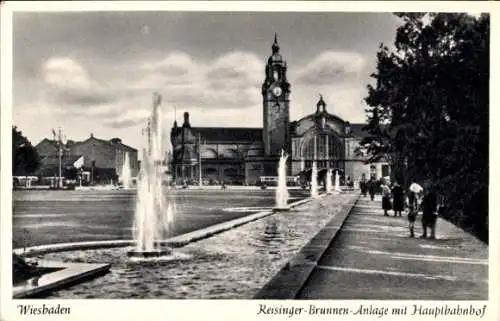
256 155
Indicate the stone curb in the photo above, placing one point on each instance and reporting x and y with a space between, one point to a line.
176 241
70 273
287 283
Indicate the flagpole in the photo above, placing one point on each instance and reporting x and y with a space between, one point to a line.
200 183
60 159
327 152
314 152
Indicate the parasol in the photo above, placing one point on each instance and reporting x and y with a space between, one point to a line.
415 188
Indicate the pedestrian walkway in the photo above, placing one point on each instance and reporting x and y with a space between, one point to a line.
374 258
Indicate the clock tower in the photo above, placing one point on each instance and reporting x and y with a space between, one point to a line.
276 104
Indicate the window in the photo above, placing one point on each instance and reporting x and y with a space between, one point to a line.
210 170
385 170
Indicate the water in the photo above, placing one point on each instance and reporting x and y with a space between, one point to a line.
154 211
126 176
235 264
47 217
314 181
282 190
328 181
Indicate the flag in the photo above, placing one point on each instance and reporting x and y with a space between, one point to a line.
78 163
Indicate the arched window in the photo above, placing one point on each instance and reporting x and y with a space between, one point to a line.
208 153
334 150
230 153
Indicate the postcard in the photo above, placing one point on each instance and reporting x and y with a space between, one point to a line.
248 160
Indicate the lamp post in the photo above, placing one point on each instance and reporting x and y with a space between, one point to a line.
58 137
327 154
347 132
314 151
200 183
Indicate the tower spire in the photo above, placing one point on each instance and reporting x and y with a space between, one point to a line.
321 105
276 46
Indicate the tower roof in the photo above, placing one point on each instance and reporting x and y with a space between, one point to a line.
275 47
275 57
321 105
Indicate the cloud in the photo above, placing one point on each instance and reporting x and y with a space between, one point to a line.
236 70
64 72
83 97
230 81
69 86
120 97
175 69
338 76
331 67
128 119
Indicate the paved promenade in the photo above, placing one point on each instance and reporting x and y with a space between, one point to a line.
374 258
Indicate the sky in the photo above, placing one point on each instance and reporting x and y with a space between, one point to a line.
96 72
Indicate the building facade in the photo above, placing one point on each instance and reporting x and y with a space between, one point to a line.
100 160
245 155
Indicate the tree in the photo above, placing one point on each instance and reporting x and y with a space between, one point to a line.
428 110
25 158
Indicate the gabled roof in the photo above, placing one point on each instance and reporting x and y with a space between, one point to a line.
66 160
106 142
102 141
46 140
317 115
237 134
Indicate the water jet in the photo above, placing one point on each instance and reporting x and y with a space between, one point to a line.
337 181
154 211
126 176
328 184
314 180
282 191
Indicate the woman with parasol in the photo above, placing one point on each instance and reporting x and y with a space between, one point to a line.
413 205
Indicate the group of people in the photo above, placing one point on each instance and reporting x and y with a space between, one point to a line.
416 199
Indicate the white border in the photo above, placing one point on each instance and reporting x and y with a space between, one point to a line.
222 309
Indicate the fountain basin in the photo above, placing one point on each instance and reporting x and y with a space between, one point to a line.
281 209
235 264
63 275
149 254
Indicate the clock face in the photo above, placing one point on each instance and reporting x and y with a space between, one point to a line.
277 91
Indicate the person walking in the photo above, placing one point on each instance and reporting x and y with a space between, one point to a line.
363 186
429 211
398 199
372 187
412 204
386 198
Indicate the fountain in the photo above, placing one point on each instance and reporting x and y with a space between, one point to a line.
314 181
126 176
328 185
282 191
337 181
154 213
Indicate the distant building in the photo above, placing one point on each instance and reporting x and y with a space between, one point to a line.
245 155
223 151
99 160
